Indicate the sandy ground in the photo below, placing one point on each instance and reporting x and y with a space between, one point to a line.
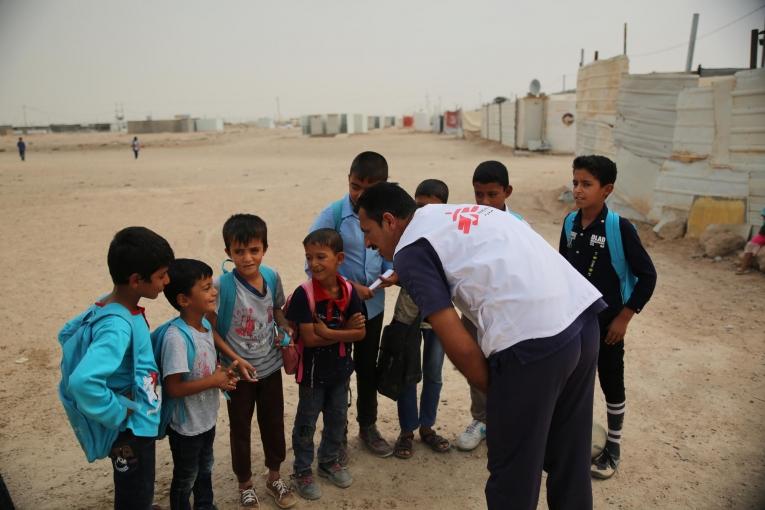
695 364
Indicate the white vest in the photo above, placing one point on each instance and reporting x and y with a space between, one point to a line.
502 275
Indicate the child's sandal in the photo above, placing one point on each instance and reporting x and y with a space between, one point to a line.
437 443
403 449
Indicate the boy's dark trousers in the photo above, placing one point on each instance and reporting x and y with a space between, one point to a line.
610 364
365 364
539 416
266 395
192 470
133 460
332 402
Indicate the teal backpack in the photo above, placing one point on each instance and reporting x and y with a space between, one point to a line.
627 280
170 404
337 213
75 338
227 296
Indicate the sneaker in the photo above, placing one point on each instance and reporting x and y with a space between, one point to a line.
376 444
306 486
247 499
336 474
604 465
472 437
282 494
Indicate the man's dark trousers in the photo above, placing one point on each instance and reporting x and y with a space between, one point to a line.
539 416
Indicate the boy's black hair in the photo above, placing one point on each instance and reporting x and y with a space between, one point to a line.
386 197
490 172
433 188
243 228
184 274
602 168
137 250
327 237
370 166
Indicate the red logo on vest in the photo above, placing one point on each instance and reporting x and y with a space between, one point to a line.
465 217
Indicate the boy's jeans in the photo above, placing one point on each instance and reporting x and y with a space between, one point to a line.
192 470
432 363
133 465
332 401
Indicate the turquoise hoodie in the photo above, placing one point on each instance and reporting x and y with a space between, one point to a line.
104 385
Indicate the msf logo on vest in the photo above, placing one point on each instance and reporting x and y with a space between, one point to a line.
465 217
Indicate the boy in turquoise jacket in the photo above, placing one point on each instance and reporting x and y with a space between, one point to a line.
116 382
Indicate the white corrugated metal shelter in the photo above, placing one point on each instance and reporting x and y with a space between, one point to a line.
485 122
208 125
265 122
530 120
597 86
421 122
332 124
493 122
560 123
507 120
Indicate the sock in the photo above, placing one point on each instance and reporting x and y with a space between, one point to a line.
615 422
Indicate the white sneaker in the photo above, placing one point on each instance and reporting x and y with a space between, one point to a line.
472 437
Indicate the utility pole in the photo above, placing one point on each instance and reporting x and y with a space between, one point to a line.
625 40
692 42
581 57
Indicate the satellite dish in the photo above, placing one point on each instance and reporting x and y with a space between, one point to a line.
535 87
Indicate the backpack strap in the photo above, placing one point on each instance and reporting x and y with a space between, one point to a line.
226 300
627 279
337 213
269 276
568 226
513 213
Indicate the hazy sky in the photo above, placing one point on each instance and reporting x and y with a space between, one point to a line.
72 60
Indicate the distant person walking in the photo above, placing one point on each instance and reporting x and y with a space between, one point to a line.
136 145
22 148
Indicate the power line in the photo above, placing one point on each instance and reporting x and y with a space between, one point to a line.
683 44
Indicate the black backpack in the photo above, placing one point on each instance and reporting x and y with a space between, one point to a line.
398 363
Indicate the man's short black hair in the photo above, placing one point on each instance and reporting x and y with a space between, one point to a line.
433 188
244 228
137 250
602 168
327 237
386 197
184 274
490 172
370 166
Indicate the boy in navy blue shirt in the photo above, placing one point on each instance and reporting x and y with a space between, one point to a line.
589 250
329 316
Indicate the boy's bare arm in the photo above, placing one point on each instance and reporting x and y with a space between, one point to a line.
318 334
222 378
245 368
282 321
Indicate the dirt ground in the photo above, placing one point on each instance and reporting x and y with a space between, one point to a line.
695 365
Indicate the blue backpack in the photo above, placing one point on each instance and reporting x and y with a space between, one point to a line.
75 338
627 279
170 404
227 296
337 213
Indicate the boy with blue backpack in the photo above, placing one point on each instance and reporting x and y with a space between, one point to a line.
110 382
252 330
607 251
329 317
185 350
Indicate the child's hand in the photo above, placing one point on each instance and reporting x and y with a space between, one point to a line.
363 291
618 327
319 328
355 321
389 281
222 378
246 371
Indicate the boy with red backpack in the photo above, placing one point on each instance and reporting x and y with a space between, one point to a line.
329 316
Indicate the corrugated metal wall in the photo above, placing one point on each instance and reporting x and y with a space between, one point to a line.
560 123
597 87
494 122
508 123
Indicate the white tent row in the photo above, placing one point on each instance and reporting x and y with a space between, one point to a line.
332 124
532 123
